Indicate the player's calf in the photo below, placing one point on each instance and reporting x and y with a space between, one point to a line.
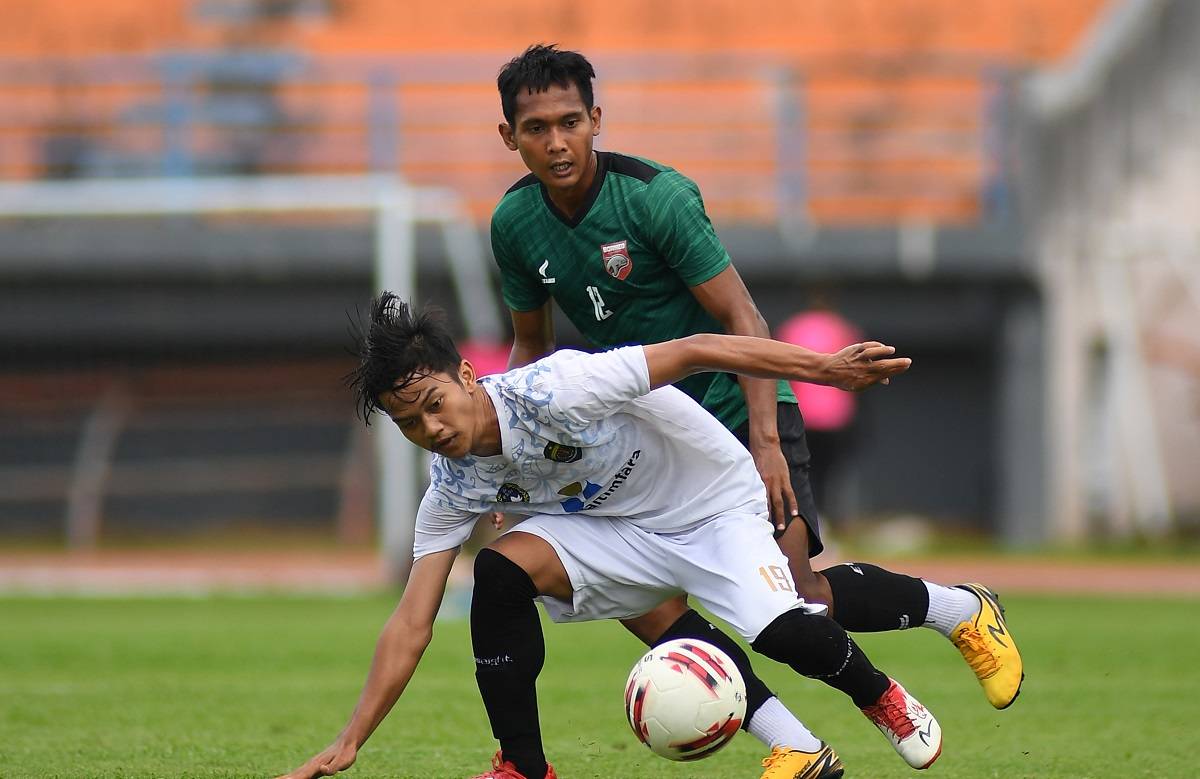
870 599
506 636
817 647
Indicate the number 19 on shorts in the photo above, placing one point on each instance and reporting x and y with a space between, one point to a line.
776 578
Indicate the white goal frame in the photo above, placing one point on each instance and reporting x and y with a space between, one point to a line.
397 208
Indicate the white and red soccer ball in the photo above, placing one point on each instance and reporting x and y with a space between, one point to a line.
685 699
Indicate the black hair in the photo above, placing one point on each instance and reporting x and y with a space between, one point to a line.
536 69
396 348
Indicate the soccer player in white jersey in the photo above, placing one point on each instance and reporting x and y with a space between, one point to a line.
636 494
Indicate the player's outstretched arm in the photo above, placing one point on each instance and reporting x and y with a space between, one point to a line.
854 368
399 649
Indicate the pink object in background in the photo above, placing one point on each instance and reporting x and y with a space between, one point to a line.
488 358
824 408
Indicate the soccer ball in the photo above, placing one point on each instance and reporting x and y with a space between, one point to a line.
685 699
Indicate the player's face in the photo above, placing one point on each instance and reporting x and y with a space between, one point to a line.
437 412
553 131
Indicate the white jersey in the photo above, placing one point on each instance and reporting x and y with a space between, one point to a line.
583 434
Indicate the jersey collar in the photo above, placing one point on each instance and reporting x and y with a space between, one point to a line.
506 433
588 200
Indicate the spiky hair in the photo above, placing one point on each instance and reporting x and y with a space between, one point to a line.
397 347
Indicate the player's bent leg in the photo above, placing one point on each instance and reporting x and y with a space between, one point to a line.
746 583
870 599
817 647
538 559
506 636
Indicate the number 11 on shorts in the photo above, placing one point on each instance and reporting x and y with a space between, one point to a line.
775 577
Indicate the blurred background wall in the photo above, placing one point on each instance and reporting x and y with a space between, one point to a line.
1000 188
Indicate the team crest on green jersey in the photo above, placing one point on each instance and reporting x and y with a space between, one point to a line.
561 453
616 259
511 493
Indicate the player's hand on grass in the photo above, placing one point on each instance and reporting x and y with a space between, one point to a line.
336 757
773 468
858 366
497 519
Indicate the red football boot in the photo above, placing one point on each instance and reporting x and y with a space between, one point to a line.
503 769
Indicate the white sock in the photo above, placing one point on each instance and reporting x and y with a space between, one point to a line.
775 726
949 607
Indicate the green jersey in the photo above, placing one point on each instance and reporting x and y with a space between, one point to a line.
620 268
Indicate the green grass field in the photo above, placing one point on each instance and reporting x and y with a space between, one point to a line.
249 687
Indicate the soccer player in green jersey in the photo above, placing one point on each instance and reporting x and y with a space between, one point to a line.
624 246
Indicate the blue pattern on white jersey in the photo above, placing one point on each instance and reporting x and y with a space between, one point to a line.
583 434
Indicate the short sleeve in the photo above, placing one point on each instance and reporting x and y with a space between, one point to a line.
680 230
522 291
588 387
440 527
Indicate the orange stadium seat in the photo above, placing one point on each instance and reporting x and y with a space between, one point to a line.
891 111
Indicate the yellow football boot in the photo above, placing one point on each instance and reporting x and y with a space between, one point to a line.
784 763
989 649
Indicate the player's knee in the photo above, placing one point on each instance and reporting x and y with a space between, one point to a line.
811 586
499 579
812 644
506 634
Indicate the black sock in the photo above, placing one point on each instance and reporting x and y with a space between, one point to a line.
818 647
868 599
506 636
692 625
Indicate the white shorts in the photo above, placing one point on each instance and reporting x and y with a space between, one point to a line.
730 564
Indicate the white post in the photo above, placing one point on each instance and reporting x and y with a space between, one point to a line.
397 462
93 461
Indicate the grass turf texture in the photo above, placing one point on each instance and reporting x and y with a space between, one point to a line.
249 687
